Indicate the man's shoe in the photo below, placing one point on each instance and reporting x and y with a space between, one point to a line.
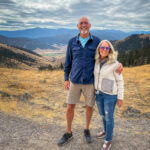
101 134
106 145
65 138
87 136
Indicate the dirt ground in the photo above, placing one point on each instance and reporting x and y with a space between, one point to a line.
20 134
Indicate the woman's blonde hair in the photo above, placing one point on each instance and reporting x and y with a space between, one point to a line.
112 56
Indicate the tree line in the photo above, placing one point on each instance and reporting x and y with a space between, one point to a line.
135 57
50 67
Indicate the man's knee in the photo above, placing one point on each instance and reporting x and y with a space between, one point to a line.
70 107
89 108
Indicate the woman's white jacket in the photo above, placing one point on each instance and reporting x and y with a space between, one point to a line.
108 81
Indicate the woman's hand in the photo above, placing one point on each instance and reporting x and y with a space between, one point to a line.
119 103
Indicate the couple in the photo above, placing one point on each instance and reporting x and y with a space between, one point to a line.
83 53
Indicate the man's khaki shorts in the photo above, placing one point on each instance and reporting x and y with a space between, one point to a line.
75 91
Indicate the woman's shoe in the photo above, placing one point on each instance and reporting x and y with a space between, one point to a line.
101 134
106 145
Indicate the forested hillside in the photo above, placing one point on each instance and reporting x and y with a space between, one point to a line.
136 57
133 42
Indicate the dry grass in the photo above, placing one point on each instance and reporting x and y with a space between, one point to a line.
48 96
45 87
137 88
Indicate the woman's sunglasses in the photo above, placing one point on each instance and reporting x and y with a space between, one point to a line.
107 48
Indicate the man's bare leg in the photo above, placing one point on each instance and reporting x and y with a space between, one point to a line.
89 112
69 116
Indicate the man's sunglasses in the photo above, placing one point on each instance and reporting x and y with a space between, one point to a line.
107 48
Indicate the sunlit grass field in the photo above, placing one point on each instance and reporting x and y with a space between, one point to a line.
46 100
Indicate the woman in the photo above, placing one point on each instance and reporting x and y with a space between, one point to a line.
109 88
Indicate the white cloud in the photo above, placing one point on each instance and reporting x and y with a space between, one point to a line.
108 14
45 4
3 21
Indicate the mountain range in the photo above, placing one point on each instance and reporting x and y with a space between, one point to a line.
44 38
45 32
27 43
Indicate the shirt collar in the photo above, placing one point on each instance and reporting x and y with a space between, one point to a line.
77 38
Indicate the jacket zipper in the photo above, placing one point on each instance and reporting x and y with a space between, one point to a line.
98 77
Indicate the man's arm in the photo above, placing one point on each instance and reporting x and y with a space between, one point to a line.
67 66
120 86
119 69
119 102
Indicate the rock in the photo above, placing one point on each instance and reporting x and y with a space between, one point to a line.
14 85
43 81
4 94
44 98
81 111
131 112
146 115
83 106
65 105
24 98
47 107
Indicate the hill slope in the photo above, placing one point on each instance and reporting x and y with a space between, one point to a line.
17 58
133 42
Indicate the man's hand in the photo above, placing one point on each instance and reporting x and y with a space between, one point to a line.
119 68
67 85
119 103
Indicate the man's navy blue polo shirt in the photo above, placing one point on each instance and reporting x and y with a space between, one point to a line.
79 62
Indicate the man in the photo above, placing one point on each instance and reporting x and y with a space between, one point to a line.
79 65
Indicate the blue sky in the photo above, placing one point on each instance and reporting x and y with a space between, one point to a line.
125 15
